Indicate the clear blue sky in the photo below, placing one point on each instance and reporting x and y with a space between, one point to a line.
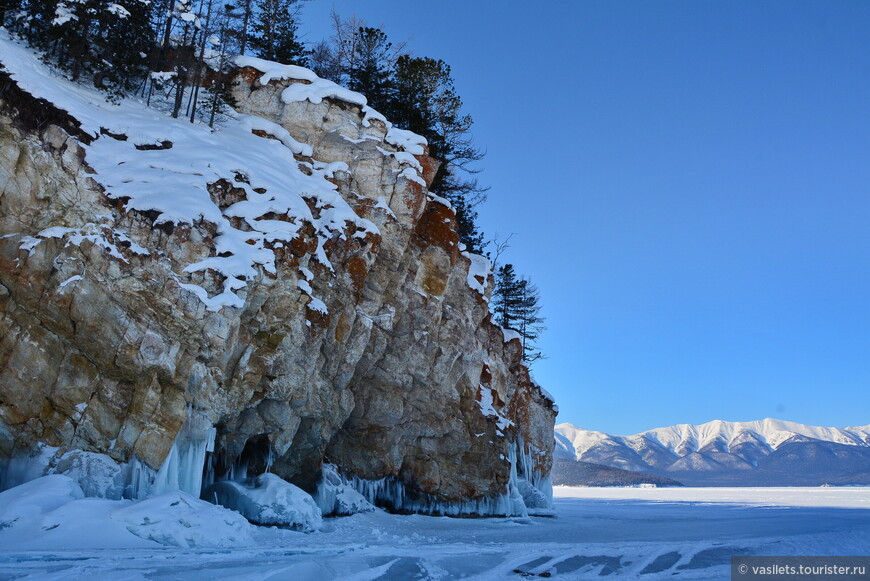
689 186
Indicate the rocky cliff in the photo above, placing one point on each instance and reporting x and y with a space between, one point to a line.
280 294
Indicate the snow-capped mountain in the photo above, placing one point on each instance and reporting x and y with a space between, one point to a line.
766 451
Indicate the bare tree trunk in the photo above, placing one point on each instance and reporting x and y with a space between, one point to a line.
181 78
150 93
200 62
179 94
167 29
246 18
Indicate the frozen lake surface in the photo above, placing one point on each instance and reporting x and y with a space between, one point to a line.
618 533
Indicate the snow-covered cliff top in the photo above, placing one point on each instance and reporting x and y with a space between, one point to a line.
315 89
173 175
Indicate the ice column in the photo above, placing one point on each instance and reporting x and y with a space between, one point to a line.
183 467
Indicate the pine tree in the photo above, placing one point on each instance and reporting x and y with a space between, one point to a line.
357 55
466 220
8 7
185 49
530 324
70 29
206 39
98 40
246 8
219 84
163 22
506 297
125 46
425 101
370 72
274 34
515 305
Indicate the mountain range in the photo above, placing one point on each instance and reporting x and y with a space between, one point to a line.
762 453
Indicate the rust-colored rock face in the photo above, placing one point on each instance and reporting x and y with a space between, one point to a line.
108 352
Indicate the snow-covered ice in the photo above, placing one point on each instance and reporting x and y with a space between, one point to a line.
268 500
632 533
176 519
794 496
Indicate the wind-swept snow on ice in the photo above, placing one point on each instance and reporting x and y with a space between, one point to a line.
629 533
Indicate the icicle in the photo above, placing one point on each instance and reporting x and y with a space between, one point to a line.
527 492
270 458
184 465
209 477
391 493
23 468
535 489
210 438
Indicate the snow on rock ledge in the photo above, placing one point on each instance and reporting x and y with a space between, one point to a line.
314 89
478 273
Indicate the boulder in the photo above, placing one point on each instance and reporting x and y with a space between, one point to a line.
269 501
336 497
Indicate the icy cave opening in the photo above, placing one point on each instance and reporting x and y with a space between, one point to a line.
196 462
256 458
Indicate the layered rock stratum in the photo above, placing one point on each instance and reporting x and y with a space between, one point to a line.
282 294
